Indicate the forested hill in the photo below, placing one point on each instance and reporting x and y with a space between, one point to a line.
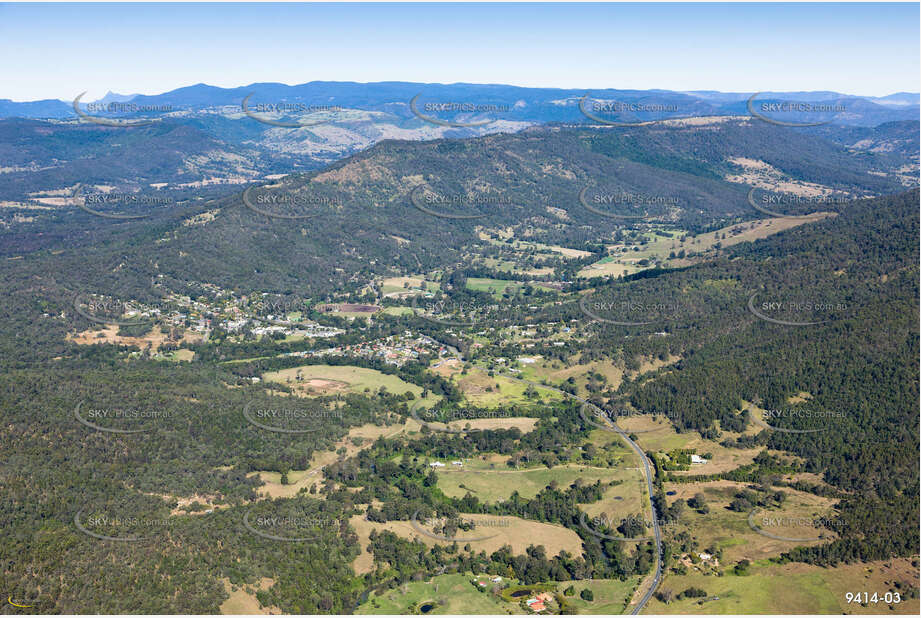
357 218
843 349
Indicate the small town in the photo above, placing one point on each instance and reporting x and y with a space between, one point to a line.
393 350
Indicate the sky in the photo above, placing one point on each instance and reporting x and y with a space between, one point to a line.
56 51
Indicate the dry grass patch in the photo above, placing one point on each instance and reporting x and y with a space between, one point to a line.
524 423
502 530
570 253
793 588
499 484
545 370
316 380
730 530
154 339
243 601
397 287
447 367
624 500
303 479
762 175
489 392
651 364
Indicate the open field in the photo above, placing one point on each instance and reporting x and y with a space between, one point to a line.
747 232
453 593
316 380
488 392
729 531
611 595
349 310
243 600
398 310
530 246
509 266
499 287
493 486
611 266
395 287
524 423
662 436
297 480
759 422
648 364
544 370
500 530
569 253
624 500
624 260
791 588
182 355
153 339
446 367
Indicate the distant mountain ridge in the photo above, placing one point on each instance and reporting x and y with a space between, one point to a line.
535 105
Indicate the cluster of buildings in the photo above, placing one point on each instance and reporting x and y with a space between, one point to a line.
539 602
393 350
233 314
438 464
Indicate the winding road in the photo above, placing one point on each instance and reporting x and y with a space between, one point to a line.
647 472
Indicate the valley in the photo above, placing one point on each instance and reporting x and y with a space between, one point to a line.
287 385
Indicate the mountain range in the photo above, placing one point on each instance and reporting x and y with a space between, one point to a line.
534 105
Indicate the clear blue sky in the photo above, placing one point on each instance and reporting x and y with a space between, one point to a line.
59 50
